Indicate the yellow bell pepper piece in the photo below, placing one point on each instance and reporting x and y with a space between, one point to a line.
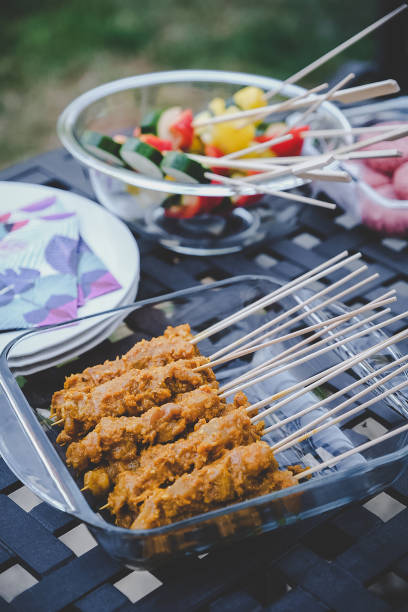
249 97
217 106
232 135
132 189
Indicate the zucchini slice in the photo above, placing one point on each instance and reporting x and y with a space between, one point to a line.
142 157
102 146
183 169
166 119
148 125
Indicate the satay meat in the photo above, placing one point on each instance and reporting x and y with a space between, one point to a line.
120 438
240 473
173 345
101 480
162 464
131 394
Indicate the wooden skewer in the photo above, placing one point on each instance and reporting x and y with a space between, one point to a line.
367 92
85 488
314 381
326 400
266 365
285 363
327 96
295 351
313 425
287 314
104 507
327 175
326 325
329 133
276 161
275 192
258 147
391 134
57 422
328 267
369 154
295 169
333 52
357 449
287 366
333 176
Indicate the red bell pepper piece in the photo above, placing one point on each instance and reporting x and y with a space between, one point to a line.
290 147
247 200
158 143
190 206
183 130
212 151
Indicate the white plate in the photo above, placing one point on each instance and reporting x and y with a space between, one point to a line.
57 352
32 366
105 234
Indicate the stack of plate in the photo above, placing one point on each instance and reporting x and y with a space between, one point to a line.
111 240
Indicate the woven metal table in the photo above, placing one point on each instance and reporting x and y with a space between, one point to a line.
355 559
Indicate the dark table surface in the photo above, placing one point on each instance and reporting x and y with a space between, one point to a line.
355 559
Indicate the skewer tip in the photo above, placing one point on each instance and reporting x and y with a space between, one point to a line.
105 507
57 422
85 488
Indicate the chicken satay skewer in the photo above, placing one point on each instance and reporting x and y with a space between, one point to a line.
314 426
162 464
353 451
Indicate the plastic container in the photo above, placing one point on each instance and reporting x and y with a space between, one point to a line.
30 452
118 106
373 207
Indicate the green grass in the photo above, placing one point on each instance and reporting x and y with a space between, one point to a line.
54 50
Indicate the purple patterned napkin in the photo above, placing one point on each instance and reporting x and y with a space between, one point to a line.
47 271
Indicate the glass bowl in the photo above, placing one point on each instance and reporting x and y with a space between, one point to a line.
118 106
28 444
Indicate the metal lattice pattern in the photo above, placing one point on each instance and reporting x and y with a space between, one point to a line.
355 559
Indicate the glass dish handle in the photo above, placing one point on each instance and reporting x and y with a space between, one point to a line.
28 452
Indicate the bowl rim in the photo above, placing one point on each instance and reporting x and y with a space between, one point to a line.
67 122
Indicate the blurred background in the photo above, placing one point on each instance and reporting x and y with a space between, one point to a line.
52 51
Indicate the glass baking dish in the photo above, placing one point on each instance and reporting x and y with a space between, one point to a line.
27 443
